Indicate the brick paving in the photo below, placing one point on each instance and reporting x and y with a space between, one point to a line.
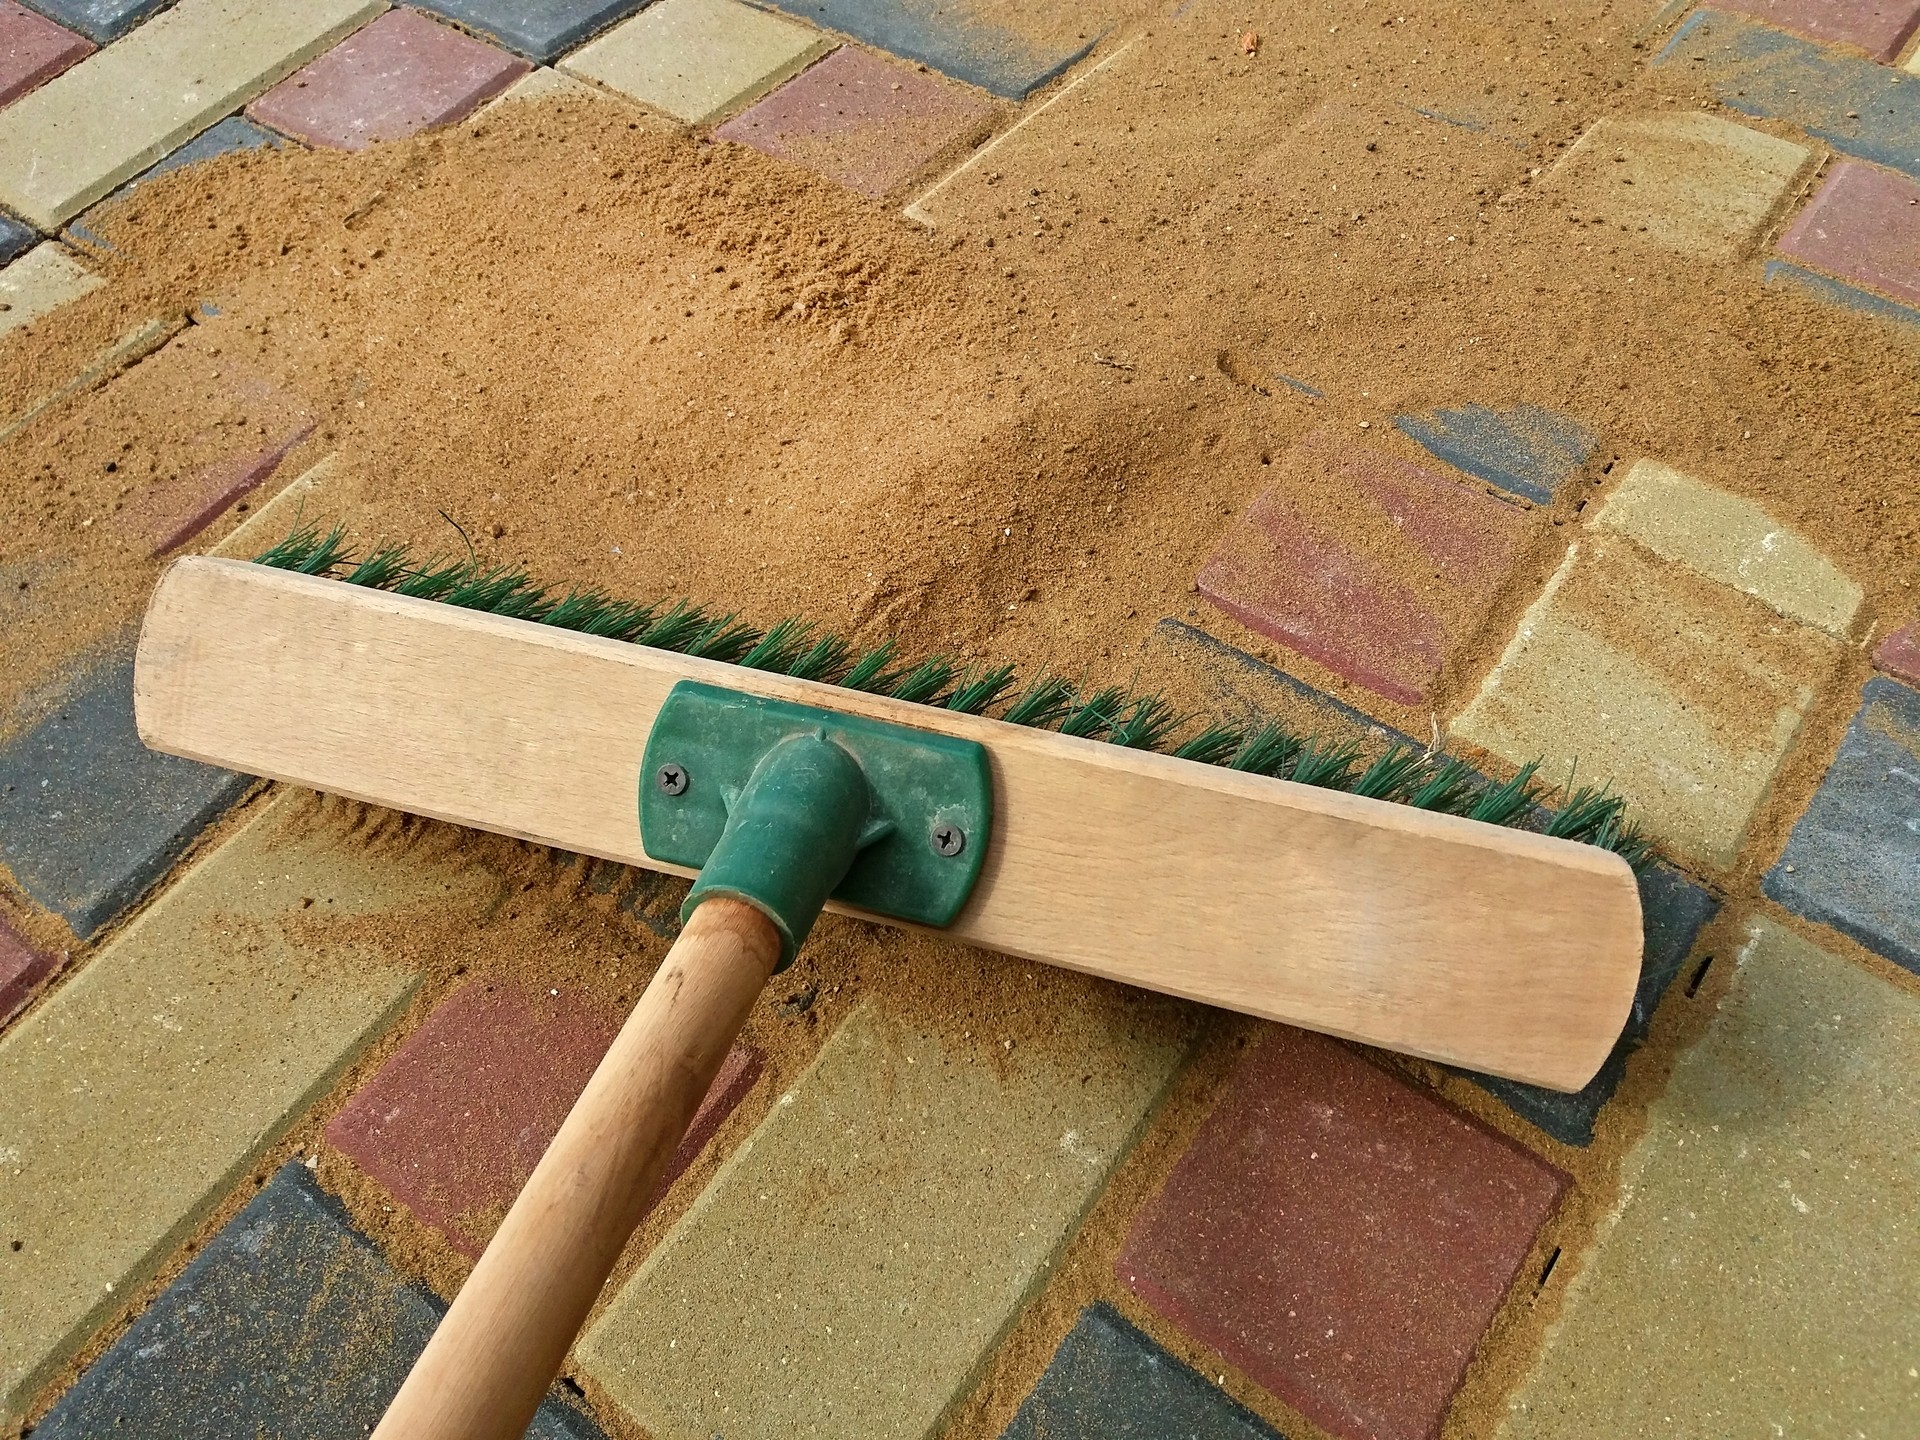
815 1287
73 140
200 1011
454 1123
1864 226
1701 718
1690 183
1759 1275
1336 597
1341 1237
289 1324
697 60
1852 856
870 123
33 49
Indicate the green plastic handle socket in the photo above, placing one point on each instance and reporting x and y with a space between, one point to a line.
785 806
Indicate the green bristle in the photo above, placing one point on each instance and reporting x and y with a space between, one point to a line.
1147 723
1212 746
433 579
1326 763
677 629
1392 775
1267 750
869 672
1505 803
1449 790
502 590
1588 811
779 647
307 551
924 681
973 695
1591 815
1041 703
1094 716
380 570
822 661
725 639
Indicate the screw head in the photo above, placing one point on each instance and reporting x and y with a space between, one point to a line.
671 778
947 838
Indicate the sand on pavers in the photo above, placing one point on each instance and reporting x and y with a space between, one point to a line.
148 1083
1760 1277
818 1286
1733 541
1683 696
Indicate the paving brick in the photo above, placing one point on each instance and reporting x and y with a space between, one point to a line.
16 238
289 1323
1838 292
1856 106
230 137
1108 1381
401 74
1733 541
454 1123
1341 1237
1681 694
132 345
1674 911
140 1092
169 514
22 967
1879 27
1864 226
1758 1277
80 135
1524 449
89 817
1899 653
280 516
698 59
818 1287
543 84
40 282
539 29
1241 690
33 50
1853 858
1319 563
1008 50
1684 181
100 20
864 121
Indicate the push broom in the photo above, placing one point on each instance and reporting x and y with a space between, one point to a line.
1402 903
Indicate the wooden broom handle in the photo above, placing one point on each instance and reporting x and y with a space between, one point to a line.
489 1364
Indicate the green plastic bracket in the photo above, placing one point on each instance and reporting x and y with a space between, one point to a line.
785 806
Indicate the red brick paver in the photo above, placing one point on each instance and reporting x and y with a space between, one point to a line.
1864 226
455 1121
401 74
1899 653
33 50
1342 1237
22 968
1331 595
1878 27
869 123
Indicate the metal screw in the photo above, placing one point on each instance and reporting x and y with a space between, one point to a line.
948 839
672 779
